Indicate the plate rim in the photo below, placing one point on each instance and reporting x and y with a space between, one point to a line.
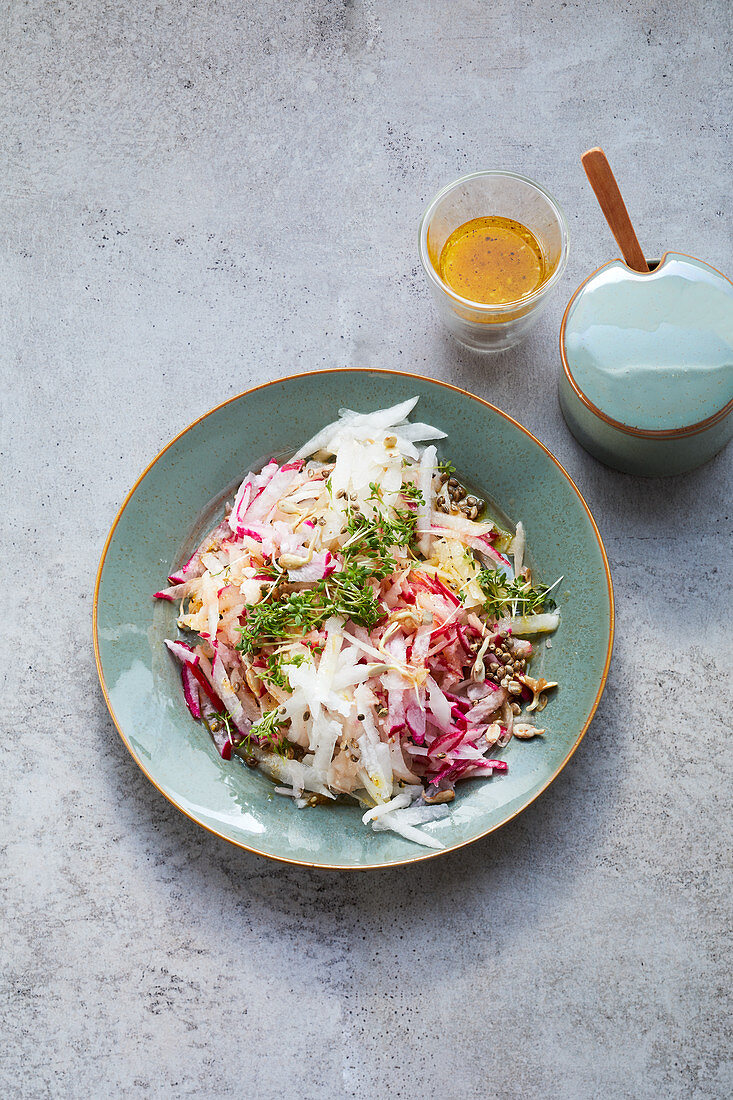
420 856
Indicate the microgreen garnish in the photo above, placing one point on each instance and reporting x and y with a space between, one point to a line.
376 536
295 615
346 593
514 597
275 672
411 492
224 720
268 732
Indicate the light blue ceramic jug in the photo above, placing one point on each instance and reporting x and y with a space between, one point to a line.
647 378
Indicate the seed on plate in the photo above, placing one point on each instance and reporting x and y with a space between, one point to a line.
360 717
471 501
340 494
439 797
474 512
306 715
516 709
452 483
354 496
322 521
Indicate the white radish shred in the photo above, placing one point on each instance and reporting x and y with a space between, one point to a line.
532 624
400 801
518 547
424 509
391 823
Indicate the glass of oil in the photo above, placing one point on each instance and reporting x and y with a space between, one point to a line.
493 245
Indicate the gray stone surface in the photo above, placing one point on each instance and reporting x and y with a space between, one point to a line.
200 196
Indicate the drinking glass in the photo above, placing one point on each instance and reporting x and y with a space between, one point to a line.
483 194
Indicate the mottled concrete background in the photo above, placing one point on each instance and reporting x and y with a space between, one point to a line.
200 196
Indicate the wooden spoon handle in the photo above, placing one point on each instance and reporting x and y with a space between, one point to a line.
602 180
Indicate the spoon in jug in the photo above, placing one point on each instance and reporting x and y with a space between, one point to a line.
602 180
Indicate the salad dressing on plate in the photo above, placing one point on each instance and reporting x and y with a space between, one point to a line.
493 260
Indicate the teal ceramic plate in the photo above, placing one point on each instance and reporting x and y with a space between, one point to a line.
177 498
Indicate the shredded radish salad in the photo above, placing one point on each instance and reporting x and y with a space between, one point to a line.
357 626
